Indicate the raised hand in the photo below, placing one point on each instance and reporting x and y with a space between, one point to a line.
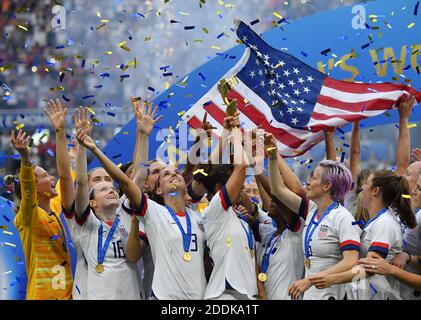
231 122
145 115
416 154
20 142
56 113
405 104
270 144
85 140
206 125
82 121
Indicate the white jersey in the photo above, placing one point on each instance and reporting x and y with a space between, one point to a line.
174 278
119 280
382 235
336 233
229 249
412 244
81 269
286 262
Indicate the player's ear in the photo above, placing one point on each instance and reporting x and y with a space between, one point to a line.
92 204
158 191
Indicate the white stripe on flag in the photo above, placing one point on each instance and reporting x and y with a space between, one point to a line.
360 97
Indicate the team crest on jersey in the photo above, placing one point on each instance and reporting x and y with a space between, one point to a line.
200 225
323 231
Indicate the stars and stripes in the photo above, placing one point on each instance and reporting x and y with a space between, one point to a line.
291 100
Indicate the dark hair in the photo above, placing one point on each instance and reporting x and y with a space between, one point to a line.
124 168
10 180
216 174
361 178
392 188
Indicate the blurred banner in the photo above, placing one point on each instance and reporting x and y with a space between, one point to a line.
368 42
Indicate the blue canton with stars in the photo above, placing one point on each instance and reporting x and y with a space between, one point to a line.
288 86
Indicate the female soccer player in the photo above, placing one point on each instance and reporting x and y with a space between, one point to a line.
330 241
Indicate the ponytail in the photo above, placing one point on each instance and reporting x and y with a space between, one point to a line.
393 190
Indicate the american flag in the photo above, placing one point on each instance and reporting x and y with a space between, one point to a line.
290 99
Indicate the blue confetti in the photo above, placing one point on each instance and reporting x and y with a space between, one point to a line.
373 288
342 157
87 97
6 218
189 27
55 237
255 21
111 114
65 98
51 152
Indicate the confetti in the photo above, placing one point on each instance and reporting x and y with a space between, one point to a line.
271 148
201 171
406 196
412 125
416 8
8 232
277 15
228 242
255 21
326 51
373 288
189 27
10 244
411 25
23 28
90 110
20 126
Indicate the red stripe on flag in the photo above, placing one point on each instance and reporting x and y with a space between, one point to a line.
194 122
346 117
259 118
352 87
216 113
369 105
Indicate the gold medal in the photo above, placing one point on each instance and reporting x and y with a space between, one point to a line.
307 263
99 268
187 256
262 277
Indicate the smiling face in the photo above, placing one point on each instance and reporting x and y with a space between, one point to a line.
252 191
315 188
45 183
170 180
105 196
416 194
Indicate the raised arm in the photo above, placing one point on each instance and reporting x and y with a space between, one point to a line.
28 201
57 115
130 189
355 152
277 185
330 144
264 190
81 123
238 176
405 104
145 122
135 246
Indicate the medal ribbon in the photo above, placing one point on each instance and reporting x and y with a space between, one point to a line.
186 235
310 229
103 250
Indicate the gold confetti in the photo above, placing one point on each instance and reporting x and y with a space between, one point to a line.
108 52
412 125
200 171
215 47
406 196
119 165
181 113
277 15
8 232
411 25
105 21
20 126
183 13
271 148
148 38
90 110
205 30
100 26
229 242
23 28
